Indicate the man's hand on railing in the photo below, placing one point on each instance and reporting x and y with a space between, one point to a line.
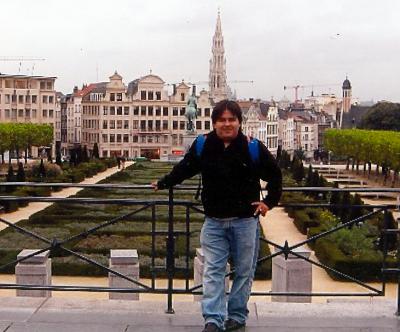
154 185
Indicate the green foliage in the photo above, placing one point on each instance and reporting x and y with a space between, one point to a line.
379 147
382 116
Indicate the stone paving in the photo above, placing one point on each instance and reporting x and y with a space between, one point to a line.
34 314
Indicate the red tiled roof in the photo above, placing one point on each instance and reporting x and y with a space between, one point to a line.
85 91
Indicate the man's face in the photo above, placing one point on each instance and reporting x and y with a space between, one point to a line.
227 126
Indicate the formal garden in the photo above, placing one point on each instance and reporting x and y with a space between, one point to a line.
356 250
64 220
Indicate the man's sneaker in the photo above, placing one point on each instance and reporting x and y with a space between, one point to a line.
211 327
232 325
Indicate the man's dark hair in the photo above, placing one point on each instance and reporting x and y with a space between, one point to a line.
224 105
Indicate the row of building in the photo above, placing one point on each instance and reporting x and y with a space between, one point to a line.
142 118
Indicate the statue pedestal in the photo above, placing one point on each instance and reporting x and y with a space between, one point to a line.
188 139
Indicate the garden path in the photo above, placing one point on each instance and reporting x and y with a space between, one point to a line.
26 212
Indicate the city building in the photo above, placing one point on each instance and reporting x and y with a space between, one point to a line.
30 99
217 76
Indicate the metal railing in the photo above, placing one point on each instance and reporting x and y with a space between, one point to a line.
140 205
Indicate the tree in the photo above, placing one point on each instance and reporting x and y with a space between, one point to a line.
335 200
85 157
21 173
345 208
96 151
382 116
58 153
309 177
42 169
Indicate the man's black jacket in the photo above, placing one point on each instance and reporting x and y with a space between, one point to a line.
231 180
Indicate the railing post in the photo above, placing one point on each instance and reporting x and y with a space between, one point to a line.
170 250
35 270
126 262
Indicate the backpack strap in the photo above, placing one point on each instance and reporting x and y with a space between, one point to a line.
201 139
253 149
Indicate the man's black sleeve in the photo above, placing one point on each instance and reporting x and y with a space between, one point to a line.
271 173
185 169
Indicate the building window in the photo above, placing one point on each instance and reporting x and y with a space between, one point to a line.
105 124
119 124
7 99
34 99
158 125
112 110
119 110
126 110
143 95
112 96
158 111
150 111
119 96
51 113
126 138
165 125
136 110
174 125
20 113
175 111
119 138
135 139
7 114
207 125
105 110
165 111
158 95
206 112
150 124
143 139
112 138
198 125
143 110
44 113
182 125
42 85
105 138
112 124
51 99
183 110
126 124
135 124
182 96
143 125
150 95
21 99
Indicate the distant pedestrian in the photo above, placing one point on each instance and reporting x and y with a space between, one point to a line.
119 162
123 159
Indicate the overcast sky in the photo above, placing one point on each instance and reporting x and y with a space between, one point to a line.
272 42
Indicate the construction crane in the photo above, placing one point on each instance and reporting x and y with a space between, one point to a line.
296 88
20 59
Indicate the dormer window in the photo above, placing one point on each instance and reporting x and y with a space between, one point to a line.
182 96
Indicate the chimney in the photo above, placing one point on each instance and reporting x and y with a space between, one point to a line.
173 89
193 90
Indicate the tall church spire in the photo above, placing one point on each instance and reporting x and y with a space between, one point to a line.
217 76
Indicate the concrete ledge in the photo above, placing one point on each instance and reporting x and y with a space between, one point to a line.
61 314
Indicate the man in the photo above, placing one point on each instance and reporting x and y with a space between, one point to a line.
231 200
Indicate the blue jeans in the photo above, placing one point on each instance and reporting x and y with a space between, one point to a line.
221 238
